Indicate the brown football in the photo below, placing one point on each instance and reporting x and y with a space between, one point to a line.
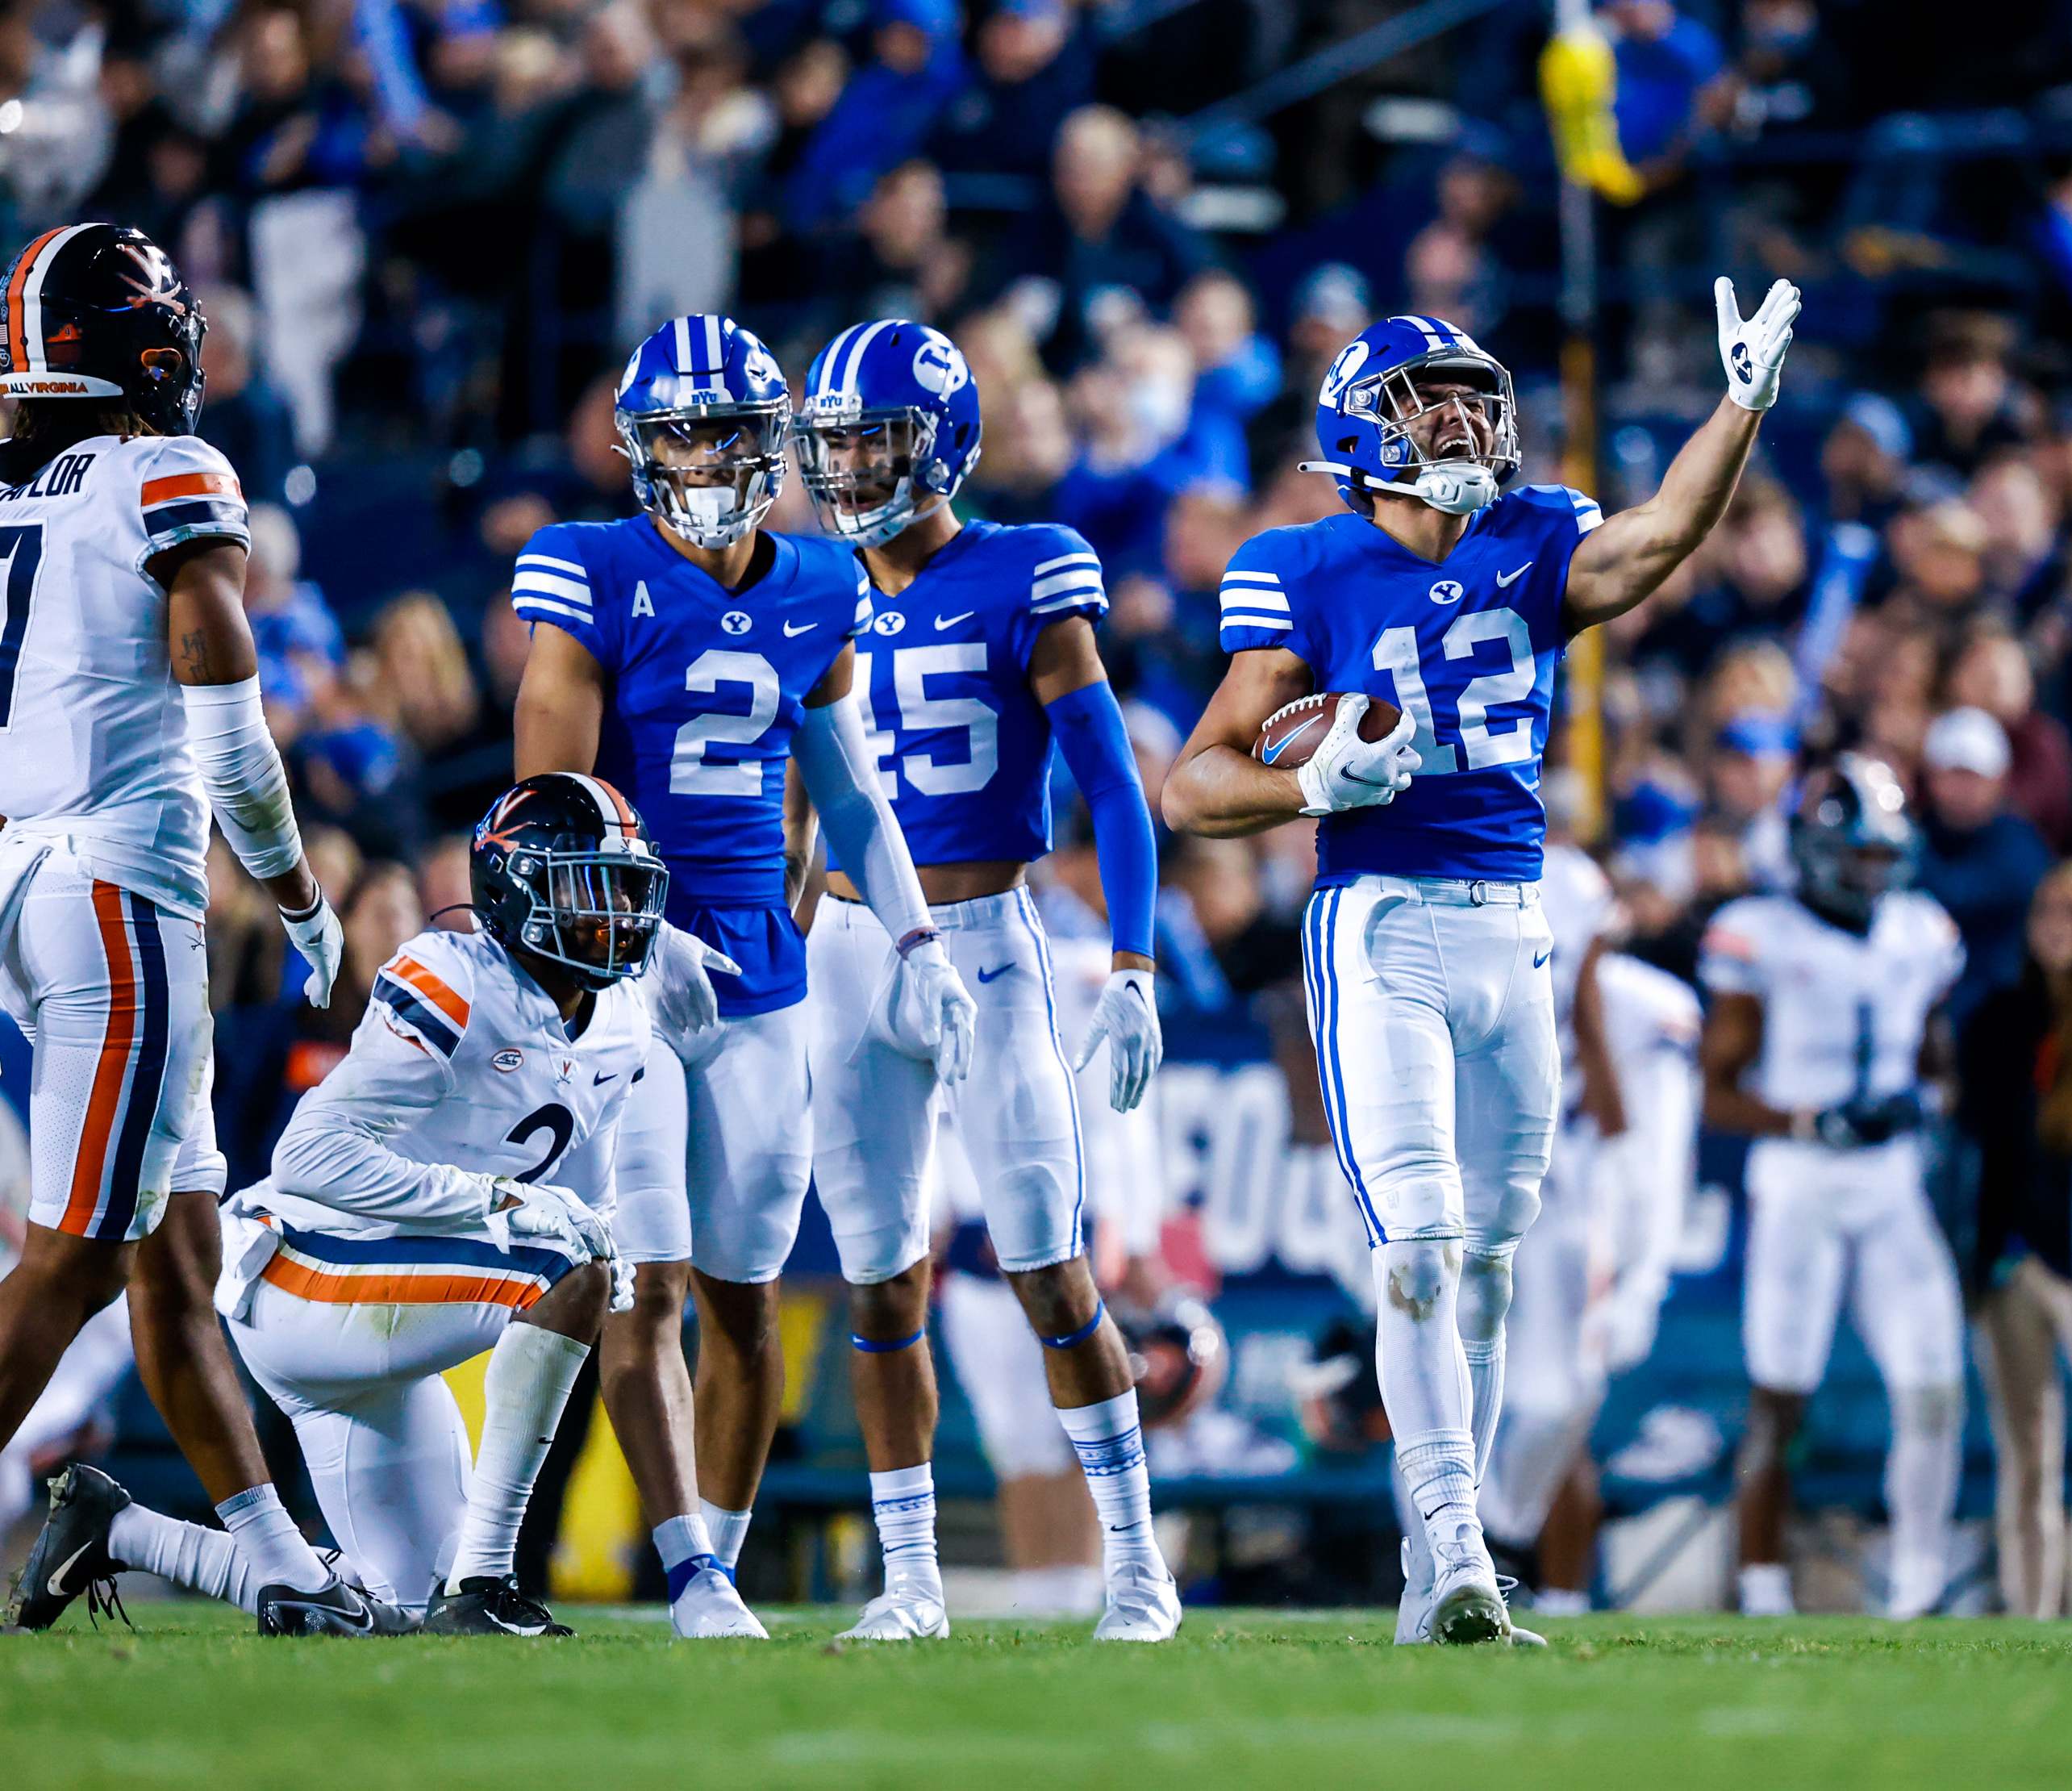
1290 735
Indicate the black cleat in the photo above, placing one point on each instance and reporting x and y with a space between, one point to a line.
488 1606
71 1553
339 1610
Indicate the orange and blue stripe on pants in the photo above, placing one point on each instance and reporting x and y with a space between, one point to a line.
408 1271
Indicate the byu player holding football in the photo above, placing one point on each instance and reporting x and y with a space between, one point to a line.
1815 1046
1426 951
685 654
980 653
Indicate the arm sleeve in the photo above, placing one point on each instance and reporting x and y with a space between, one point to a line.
861 833
335 1150
1088 723
1255 607
241 771
859 623
190 494
551 583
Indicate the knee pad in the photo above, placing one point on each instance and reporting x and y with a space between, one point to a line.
1485 1295
1414 1276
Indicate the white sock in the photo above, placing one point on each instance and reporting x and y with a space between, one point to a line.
1111 1447
1922 1470
266 1536
1439 1468
1485 1360
728 1530
902 1501
686 1547
530 1373
1479 1310
203 1560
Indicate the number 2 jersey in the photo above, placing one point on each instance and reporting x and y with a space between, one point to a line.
705 688
1466 647
93 727
960 743
461 1068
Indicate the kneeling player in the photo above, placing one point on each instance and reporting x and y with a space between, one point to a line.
372 1259
1826 999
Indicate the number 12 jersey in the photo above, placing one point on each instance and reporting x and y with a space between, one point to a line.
1466 647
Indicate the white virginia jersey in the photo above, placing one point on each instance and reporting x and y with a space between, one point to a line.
1842 1015
1576 897
93 731
461 1070
1646 1010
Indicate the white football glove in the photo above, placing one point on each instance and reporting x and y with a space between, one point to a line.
680 997
321 940
1346 772
540 1209
927 1012
1127 1016
1753 352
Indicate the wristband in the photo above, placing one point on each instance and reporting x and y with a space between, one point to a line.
920 936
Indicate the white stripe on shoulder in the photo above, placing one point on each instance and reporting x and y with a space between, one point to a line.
1241 596
547 584
1095 598
1084 578
525 605
552 565
1279 624
1064 559
1235 577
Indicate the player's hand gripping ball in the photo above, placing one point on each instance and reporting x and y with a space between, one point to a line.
1346 751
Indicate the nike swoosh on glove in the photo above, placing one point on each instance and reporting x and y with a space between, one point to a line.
1754 351
1348 772
678 984
1127 1016
321 940
927 1012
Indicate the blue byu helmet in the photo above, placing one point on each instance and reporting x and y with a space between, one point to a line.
1851 839
703 411
890 428
1383 426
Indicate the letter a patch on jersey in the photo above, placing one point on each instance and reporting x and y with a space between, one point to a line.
643 605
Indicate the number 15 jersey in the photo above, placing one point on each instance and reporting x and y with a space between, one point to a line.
1465 647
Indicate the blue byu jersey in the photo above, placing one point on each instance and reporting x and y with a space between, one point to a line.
1466 648
705 688
962 746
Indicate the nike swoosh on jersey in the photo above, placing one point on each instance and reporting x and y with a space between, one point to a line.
994 975
56 1581
789 631
1506 580
604 1075
951 621
1281 746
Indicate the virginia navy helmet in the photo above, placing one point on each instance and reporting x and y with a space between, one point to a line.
1381 427
704 412
890 428
99 311
561 867
1851 840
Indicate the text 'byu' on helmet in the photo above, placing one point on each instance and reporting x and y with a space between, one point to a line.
703 414
562 868
1414 406
889 429
1851 838
99 311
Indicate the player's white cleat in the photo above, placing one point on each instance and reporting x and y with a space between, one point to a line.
1766 1590
907 1613
1466 1606
1144 1605
1918 1584
1414 1613
710 1607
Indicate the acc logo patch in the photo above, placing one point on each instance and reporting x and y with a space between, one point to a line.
736 621
507 1059
1446 591
889 622
940 367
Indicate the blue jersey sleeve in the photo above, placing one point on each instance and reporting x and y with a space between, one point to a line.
552 583
860 625
1567 515
1254 603
1064 579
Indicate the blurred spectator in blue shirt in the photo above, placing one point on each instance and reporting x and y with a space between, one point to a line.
1034 66
1449 267
1238 370
300 647
244 416
1864 461
884 113
1670 71
1966 412
1331 304
1980 860
901 261
1102 234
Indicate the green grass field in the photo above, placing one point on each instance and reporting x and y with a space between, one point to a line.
1296 1701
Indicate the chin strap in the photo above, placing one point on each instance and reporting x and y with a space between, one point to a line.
1458 488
